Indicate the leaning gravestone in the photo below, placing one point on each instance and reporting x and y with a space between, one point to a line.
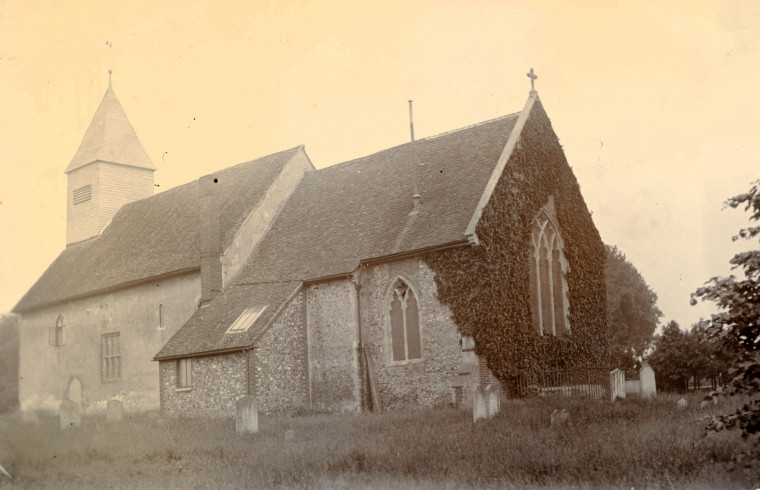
492 400
70 414
114 411
479 404
646 377
617 384
246 415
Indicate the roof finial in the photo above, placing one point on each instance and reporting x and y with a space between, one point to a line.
532 77
109 77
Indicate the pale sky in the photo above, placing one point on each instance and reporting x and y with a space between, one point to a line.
655 103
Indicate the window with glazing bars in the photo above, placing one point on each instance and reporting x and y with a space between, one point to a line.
111 354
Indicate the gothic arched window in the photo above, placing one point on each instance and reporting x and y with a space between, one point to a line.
404 324
55 334
548 288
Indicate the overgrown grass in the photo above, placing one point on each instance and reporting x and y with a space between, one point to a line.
631 443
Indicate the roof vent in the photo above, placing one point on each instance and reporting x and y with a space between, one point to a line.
416 197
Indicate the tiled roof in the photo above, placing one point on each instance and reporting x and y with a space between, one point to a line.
206 330
359 210
154 236
350 212
110 138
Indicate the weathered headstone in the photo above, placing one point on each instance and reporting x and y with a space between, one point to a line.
560 418
70 414
114 411
682 404
479 403
246 415
492 401
617 384
648 386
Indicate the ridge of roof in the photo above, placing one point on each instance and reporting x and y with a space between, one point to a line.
481 123
110 137
409 144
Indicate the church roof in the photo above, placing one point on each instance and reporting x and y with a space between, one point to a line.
154 236
206 331
355 211
110 138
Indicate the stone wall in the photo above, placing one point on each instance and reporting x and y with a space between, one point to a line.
216 383
426 381
331 317
144 316
279 362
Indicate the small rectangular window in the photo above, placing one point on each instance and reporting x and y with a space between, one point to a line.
83 194
111 354
246 319
184 373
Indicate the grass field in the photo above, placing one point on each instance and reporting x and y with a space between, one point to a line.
629 444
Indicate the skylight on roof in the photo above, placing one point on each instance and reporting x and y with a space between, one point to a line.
246 319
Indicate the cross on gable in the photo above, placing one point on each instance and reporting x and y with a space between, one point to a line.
533 78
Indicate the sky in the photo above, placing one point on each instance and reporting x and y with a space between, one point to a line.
655 103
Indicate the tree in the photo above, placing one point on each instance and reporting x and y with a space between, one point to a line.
8 363
632 311
737 325
670 358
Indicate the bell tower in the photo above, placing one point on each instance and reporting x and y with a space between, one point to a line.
109 170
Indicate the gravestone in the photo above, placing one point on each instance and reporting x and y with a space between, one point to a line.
246 415
114 411
682 404
70 414
646 377
560 418
479 403
74 392
617 384
492 401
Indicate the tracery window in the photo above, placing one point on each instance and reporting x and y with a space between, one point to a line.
548 288
405 338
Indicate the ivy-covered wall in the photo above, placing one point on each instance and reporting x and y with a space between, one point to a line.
487 287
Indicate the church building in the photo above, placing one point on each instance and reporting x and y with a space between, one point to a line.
392 280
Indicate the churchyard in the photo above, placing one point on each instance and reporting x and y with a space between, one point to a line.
632 443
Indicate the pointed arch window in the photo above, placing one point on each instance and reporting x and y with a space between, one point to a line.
55 334
404 332
548 287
